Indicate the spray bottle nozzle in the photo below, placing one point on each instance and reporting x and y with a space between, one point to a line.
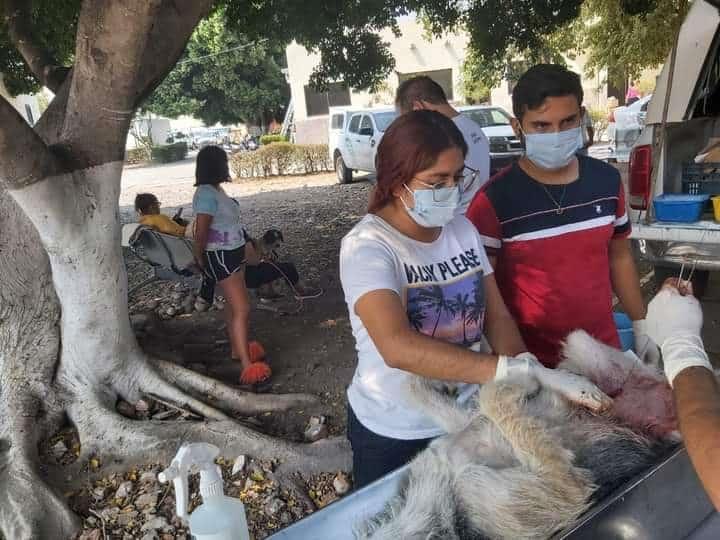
200 456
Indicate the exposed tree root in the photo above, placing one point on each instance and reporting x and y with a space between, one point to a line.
227 398
118 443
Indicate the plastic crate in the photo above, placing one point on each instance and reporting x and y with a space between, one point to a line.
701 178
680 208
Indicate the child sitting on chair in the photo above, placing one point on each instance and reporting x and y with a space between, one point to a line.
147 206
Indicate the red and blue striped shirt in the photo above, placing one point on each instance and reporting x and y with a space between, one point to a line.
553 266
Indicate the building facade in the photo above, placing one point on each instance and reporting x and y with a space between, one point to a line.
441 58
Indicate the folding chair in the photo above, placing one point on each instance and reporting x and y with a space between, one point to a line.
171 257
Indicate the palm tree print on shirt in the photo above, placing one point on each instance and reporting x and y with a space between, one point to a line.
452 311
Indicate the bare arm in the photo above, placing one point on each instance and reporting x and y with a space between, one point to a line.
401 347
697 399
624 277
202 228
500 327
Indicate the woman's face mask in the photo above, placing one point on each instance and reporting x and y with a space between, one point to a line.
553 150
434 207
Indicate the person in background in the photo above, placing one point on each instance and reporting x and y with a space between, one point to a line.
147 206
588 133
556 227
674 321
632 95
219 249
422 93
420 293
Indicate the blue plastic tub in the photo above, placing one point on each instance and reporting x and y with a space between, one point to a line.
625 331
679 207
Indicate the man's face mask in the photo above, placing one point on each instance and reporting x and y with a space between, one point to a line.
434 207
553 150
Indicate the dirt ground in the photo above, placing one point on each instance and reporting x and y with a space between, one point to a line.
311 351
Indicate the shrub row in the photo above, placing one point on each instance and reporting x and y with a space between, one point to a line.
170 152
269 139
281 158
136 155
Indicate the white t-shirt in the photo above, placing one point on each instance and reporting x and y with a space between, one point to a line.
478 157
226 229
441 286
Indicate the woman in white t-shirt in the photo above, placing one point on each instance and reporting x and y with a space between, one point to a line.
420 291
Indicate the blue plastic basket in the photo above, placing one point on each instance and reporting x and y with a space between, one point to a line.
679 207
625 331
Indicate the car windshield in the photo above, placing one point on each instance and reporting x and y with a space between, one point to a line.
488 117
384 119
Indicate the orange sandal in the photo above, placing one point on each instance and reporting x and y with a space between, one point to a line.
257 351
255 373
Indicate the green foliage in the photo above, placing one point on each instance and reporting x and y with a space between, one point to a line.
223 77
599 119
136 155
53 25
269 139
613 38
169 152
281 158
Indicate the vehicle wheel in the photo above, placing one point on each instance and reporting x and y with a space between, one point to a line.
699 279
344 174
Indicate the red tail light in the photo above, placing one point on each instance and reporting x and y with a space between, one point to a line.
640 170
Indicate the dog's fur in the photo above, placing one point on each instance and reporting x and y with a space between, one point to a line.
524 463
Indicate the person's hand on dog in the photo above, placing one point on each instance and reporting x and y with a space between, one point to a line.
574 388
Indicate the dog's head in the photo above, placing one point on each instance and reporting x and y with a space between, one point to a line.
272 239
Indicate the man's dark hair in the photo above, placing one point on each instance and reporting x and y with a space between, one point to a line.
421 88
541 82
143 202
211 166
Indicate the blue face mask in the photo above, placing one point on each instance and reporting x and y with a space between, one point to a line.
433 207
553 150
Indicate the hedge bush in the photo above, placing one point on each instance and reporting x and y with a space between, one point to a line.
170 152
281 158
134 156
269 139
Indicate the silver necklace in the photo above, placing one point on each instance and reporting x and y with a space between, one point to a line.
559 209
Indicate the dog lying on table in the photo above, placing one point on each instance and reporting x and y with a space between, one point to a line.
526 462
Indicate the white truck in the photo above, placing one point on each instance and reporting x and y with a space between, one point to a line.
354 135
682 117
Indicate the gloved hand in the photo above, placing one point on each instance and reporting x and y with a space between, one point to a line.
646 348
573 387
675 321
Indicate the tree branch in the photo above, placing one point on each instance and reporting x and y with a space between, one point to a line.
24 157
176 21
40 62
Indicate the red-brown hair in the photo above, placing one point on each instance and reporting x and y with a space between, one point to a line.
411 144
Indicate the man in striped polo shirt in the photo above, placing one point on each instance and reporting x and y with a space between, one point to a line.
556 228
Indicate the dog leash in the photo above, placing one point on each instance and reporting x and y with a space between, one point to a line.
296 294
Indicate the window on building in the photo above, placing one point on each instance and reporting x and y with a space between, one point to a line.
337 121
318 103
354 126
441 76
29 114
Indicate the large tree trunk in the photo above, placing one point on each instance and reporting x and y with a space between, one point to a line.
67 350
45 379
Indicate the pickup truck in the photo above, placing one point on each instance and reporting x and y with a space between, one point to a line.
663 155
354 134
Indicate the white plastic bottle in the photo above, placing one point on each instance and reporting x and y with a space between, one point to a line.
218 517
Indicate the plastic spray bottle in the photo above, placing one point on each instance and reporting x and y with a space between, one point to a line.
219 517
